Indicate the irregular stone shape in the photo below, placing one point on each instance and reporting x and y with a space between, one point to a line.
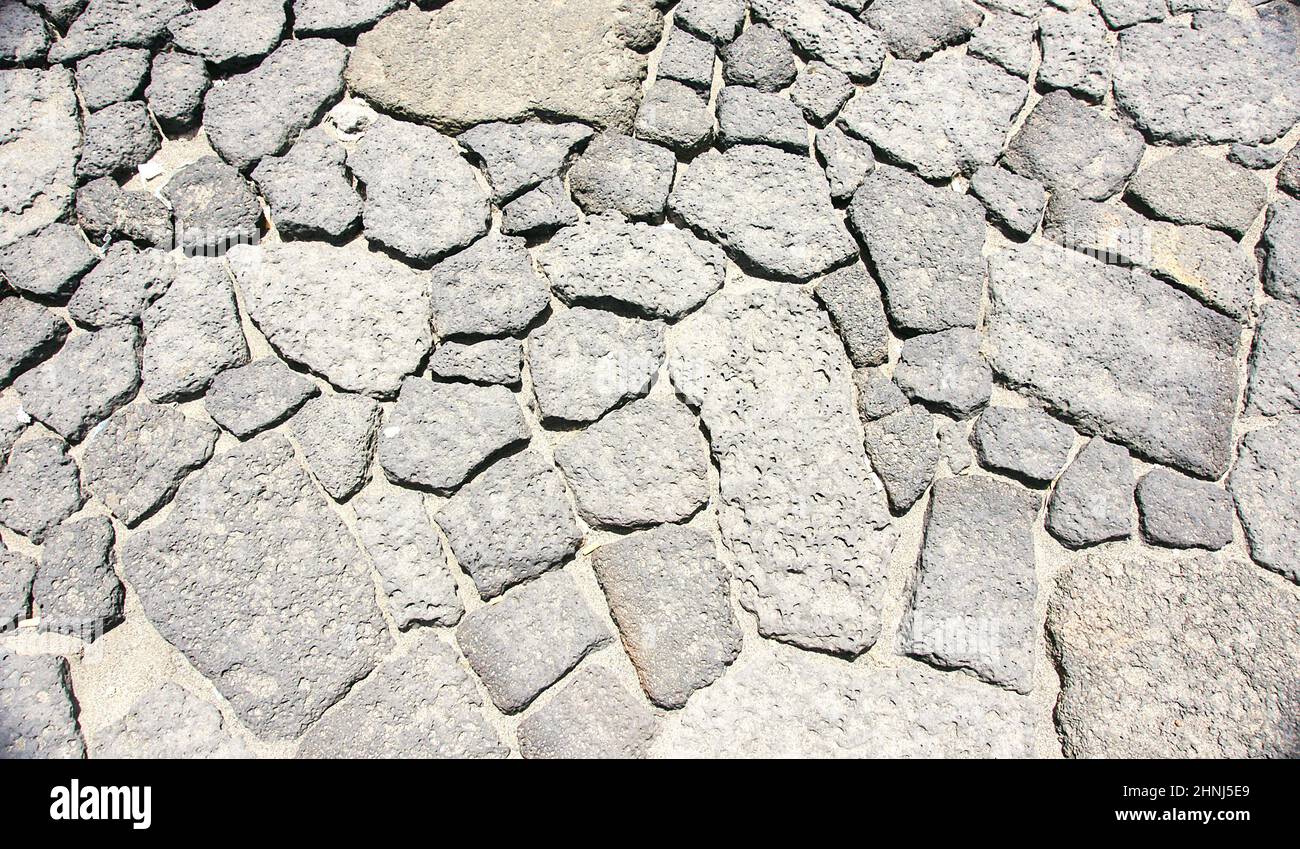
308 189
675 116
355 317
1027 8
847 161
717 20
760 58
118 138
440 433
972 606
623 174
338 17
919 113
663 271
749 116
1188 188
800 509
168 721
488 289
111 77
592 716
770 208
1222 80
422 199
853 300
540 211
336 434
91 376
61 12
931 267
489 361
398 536
781 703
118 290
878 396
136 461
1013 201
231 31
260 112
17 571
1274 385
1025 443
214 207
1255 157
76 590
255 580
669 596
1166 657
192 333
249 399
641 465
1078 54
49 263
38 713
820 91
1075 149
419 704
1288 176
954 445
517 157
529 639
31 333
351 117
946 370
1279 250
688 60
903 451
1264 486
177 83
40 486
39 149
1125 13
478 61
116 23
1093 498
913 29
826 33
1182 512
585 362
1005 40
1123 355
106 211
23 37
13 421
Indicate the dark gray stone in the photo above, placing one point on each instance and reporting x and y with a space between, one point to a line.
517 157
1263 485
1288 176
749 116
488 289
40 486
1182 512
1279 250
946 370
853 300
954 444
1078 54
1013 201
688 60
38 713
1274 385
336 434
1189 188
592 716
91 376
214 207
1255 157
717 20
338 17
23 37
118 138
675 116
820 91
823 32
122 286
17 571
488 361
13 421
1024 443
760 58
623 174
177 83
913 29
111 77
1093 499
232 31
1006 40
903 451
105 212
48 263
878 396
31 334
38 154
76 590
1125 13
116 23
540 211
308 189
249 399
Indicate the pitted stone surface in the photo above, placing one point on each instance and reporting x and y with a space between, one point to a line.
488 289
91 376
249 399
22 34
169 721
13 420
116 23
488 361
623 174
1189 188
761 58
177 83
122 286
716 20
517 157
904 452
675 116
848 161
31 333
1182 512
878 396
336 434
820 91
48 263
749 116
914 29
853 300
112 76
214 207
105 211
823 32
1011 200
1093 499
1279 250
1006 40
1023 443
336 17
1274 385
39 149
1078 55
17 572
1264 486
308 189
592 716
688 59
231 31
76 590
40 486
540 211
946 370
38 713
118 139
192 333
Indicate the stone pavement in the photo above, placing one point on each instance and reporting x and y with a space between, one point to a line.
719 378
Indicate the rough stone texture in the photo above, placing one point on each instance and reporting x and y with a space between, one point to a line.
924 242
770 208
1274 385
338 17
717 20
1013 201
22 34
853 300
529 639
799 507
76 590
177 83
136 461
213 206
1190 656
623 174
40 486
878 396
823 32
820 91
13 421
489 361
1182 512
1093 499
39 149
1074 148
749 116
192 333
1078 55
169 721
249 399
418 704
1121 354
91 376
438 434
972 606
592 716
231 31
116 23
259 584
641 465
675 116
540 211
31 333
1288 176
47 264
1189 188
904 452
913 29
308 189
38 713
761 58
511 523
118 290
1125 13
106 211
847 161
585 362
477 61
688 59
118 138
1006 40
395 529
1279 250
61 12
355 317
954 445
1264 486
1255 157
111 77
517 157
336 434
946 370
260 112
1025 443
488 289
16 574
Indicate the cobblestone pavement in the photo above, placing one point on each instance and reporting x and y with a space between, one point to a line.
619 378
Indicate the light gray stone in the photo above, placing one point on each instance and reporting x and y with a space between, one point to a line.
914 29
13 421
38 713
1274 384
1263 484
592 716
749 116
904 452
760 58
91 376
48 263
31 334
177 83
540 211
820 91
116 23
336 434
878 396
214 207
688 59
17 571
40 486
848 161
623 174
1006 40
1125 13
106 211
489 361
1025 443
1093 499
76 591
39 151
192 333
946 370
112 76
675 116
61 12
1279 250
954 444
249 399
1189 188
1013 201
23 37
232 31
118 138
1288 176
1182 512
1255 157
122 286
853 300
823 32
517 157
717 20
1078 55
488 289
308 189
169 721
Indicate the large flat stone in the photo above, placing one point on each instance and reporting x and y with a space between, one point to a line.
39 149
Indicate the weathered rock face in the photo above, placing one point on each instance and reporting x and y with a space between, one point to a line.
231 31
518 157
1022 443
1188 188
118 290
116 23
826 33
38 150
91 376
40 486
336 434
593 716
249 399
17 572
170 722
477 61
1182 512
31 333
308 189
256 580
488 289
1093 499
1268 500
38 713
1118 353
1275 362
1189 656
76 588
800 509
903 452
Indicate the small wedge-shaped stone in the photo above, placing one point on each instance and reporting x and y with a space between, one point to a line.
1189 188
904 452
169 721
1024 443
48 263
1264 485
31 334
517 157
308 189
40 486
946 369
76 590
848 161
336 434
1093 499
230 31
1005 40
972 606
118 290
38 713
192 333
853 300
592 716
540 211
878 396
116 23
91 376
17 571
623 174
249 399
510 523
1274 386
820 91
675 116
488 289
1182 512
826 33
1012 200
